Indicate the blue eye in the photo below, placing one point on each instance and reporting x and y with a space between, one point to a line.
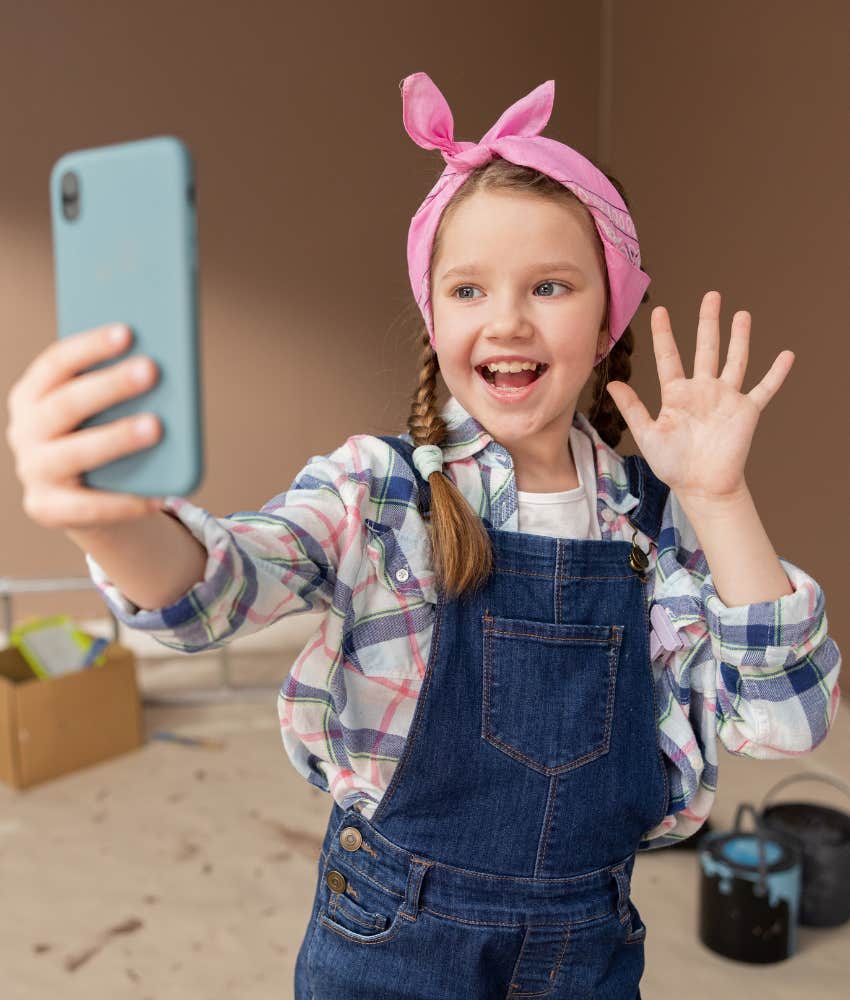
467 297
554 283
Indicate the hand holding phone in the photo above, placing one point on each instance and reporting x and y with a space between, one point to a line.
45 406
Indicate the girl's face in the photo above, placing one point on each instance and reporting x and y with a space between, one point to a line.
511 300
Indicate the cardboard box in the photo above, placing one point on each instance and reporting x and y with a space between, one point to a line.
57 725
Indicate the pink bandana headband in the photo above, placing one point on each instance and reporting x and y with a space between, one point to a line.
515 137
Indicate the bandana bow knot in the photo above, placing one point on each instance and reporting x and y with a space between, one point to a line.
428 121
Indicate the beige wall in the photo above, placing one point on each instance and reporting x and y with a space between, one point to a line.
723 122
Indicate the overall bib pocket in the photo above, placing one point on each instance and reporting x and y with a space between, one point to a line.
548 690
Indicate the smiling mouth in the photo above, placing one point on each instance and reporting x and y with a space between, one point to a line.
509 381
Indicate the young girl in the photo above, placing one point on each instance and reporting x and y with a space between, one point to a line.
530 644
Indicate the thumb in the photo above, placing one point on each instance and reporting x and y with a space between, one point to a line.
630 406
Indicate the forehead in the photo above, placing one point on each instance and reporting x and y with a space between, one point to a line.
517 217
500 227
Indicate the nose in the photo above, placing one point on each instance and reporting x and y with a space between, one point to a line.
508 337
508 323
508 306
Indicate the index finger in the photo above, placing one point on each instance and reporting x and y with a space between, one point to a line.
667 359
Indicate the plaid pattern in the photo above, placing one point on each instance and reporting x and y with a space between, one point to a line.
347 540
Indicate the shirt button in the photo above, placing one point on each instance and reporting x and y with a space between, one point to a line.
351 838
401 575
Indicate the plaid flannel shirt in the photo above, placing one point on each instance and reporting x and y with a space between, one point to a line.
347 540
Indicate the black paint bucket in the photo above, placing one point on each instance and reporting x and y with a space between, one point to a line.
750 892
823 835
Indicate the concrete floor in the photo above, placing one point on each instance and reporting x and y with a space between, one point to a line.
181 873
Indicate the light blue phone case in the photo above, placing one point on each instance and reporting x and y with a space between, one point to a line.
125 251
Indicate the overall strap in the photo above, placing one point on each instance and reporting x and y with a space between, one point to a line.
405 450
652 495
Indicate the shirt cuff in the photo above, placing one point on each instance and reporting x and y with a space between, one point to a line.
767 633
187 619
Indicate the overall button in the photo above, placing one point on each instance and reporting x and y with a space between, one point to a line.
638 559
335 881
351 838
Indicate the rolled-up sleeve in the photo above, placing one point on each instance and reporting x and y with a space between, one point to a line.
283 559
769 670
778 668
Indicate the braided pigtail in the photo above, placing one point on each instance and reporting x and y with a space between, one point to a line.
616 366
462 554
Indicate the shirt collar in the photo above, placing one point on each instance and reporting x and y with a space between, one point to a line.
466 436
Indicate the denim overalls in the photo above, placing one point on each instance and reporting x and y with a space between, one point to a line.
498 862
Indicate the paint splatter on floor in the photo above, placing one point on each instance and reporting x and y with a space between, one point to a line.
130 926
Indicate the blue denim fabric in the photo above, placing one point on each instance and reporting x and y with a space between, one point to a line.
504 870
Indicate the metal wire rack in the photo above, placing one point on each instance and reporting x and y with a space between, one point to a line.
226 691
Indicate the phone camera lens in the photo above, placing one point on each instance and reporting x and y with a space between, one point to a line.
70 187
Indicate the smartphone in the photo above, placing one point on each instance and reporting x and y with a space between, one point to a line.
125 251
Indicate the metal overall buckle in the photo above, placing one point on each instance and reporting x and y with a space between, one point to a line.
638 559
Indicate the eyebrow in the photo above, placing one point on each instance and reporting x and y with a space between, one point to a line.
475 268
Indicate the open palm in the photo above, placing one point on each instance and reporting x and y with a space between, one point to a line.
699 443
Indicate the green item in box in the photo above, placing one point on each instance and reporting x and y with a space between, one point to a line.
54 646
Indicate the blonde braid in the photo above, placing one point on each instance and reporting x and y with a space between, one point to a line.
463 556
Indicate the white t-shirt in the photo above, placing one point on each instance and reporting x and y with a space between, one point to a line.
567 513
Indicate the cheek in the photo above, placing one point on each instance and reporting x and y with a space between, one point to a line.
573 356
454 350
575 343
455 368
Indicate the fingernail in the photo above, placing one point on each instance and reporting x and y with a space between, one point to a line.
144 427
140 372
118 334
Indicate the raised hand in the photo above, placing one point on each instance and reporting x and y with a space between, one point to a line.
700 440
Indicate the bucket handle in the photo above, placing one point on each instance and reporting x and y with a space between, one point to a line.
814 776
760 888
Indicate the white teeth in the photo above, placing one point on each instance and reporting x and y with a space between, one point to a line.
513 366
